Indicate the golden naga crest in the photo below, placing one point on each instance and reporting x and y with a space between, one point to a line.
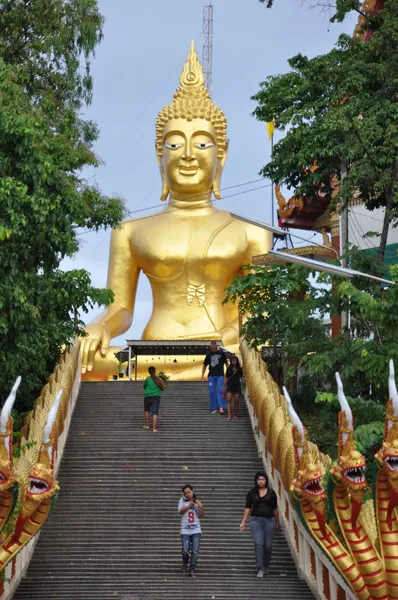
365 533
27 496
28 486
354 524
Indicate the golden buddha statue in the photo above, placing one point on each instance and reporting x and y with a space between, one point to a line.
190 251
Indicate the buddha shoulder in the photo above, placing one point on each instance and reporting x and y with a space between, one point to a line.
130 227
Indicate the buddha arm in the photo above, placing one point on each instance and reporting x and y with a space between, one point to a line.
123 273
260 242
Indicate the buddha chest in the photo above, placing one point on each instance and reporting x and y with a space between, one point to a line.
197 250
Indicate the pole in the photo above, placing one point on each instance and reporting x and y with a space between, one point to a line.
272 186
207 45
136 367
343 232
129 363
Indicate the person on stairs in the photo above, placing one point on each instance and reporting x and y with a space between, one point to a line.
262 507
215 360
153 388
232 385
191 510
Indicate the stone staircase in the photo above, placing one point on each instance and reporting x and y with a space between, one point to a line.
114 532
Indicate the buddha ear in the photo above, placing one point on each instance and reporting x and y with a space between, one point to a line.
220 168
165 187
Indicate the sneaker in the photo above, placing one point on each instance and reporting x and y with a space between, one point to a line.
214 412
154 430
266 571
145 427
193 575
260 574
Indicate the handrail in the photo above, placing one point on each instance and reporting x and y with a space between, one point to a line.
273 434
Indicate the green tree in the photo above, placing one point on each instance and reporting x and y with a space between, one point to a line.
339 110
288 308
45 49
339 8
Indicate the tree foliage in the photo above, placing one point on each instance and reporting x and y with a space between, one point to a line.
339 112
45 48
338 9
286 306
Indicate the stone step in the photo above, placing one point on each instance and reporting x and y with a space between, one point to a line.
114 531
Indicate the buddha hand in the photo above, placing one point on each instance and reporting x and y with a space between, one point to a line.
98 338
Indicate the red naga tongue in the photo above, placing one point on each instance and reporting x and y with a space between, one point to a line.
320 517
356 509
391 505
19 526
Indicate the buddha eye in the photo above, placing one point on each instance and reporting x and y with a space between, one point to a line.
202 146
173 146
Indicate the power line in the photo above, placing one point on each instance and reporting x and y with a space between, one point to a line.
368 216
372 249
191 198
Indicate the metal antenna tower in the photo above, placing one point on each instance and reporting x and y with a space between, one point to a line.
207 45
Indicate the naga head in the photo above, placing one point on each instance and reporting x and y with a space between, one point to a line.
42 484
349 469
307 483
387 456
7 475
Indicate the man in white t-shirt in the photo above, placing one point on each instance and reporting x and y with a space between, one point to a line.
191 510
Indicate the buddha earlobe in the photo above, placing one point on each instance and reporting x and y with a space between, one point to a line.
165 187
217 182
220 168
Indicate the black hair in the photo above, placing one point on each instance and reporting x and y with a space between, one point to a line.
190 488
261 474
152 370
213 343
237 361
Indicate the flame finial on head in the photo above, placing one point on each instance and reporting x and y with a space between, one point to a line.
192 73
392 388
295 420
51 417
46 455
8 404
193 101
344 406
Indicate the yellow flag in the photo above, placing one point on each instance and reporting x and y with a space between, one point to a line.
270 129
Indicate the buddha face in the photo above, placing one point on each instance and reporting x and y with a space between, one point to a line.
190 167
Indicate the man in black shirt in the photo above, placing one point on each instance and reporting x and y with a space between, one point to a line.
216 361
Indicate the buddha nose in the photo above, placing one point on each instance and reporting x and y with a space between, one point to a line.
187 154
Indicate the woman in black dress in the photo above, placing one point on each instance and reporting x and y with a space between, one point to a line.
232 385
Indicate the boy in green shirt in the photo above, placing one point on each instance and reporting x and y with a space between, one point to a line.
153 388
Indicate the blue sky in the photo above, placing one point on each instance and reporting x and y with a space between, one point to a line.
136 70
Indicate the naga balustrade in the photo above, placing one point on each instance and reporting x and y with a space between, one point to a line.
355 555
30 488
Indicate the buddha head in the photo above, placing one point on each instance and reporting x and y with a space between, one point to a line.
191 138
